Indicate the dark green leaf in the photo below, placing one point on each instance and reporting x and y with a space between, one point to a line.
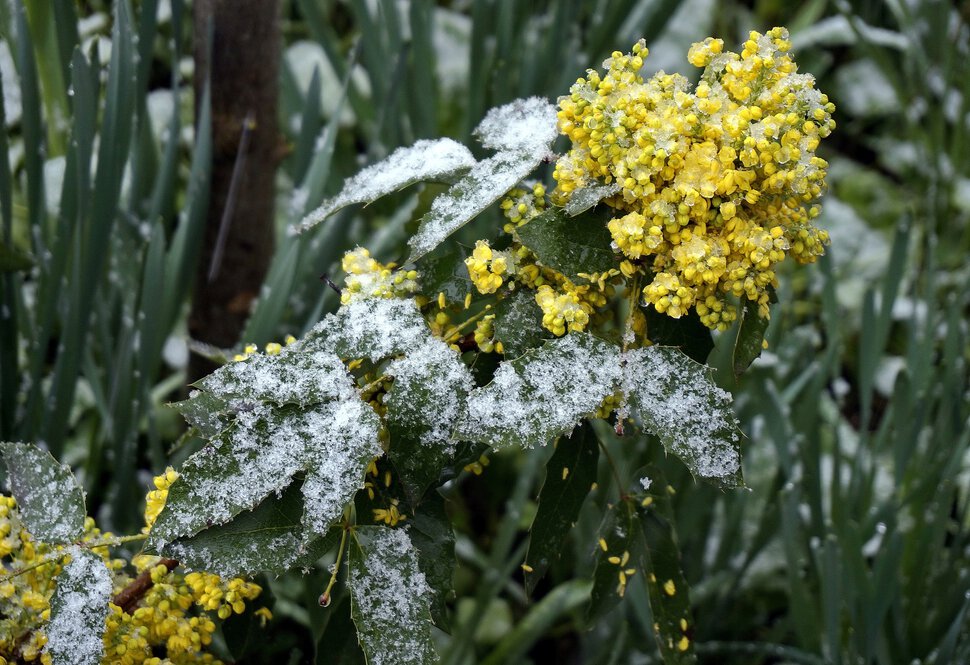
424 405
431 533
678 402
51 503
518 324
613 539
13 259
79 608
444 271
571 245
268 539
391 600
656 556
570 474
207 413
686 333
264 448
375 328
544 393
751 334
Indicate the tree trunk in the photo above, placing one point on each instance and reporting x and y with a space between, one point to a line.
244 79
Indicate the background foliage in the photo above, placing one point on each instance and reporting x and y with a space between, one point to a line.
852 545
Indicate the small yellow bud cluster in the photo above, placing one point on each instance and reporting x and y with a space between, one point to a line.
716 186
212 593
485 335
563 310
155 499
478 466
367 278
521 205
489 268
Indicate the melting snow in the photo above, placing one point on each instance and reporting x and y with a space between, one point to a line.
79 608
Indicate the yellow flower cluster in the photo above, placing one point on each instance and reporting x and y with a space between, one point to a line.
716 186
367 278
169 625
485 335
489 268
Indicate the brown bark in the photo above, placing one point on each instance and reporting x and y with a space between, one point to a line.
238 246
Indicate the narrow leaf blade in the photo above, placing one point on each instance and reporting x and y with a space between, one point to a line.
570 474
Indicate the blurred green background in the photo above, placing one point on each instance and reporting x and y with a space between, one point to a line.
853 543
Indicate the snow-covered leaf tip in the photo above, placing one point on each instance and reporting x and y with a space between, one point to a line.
679 403
439 159
522 132
391 599
51 503
79 608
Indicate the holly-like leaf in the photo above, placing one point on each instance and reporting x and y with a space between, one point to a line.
437 160
209 414
686 333
264 448
518 323
391 597
50 501
750 340
79 608
543 394
522 132
267 539
678 402
431 533
657 554
571 245
424 404
583 199
570 474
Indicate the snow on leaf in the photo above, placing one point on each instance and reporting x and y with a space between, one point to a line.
50 501
390 597
265 448
522 132
521 125
292 377
269 539
431 386
375 328
439 159
424 404
79 608
544 393
485 184
583 199
679 403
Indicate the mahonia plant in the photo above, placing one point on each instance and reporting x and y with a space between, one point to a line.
665 221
